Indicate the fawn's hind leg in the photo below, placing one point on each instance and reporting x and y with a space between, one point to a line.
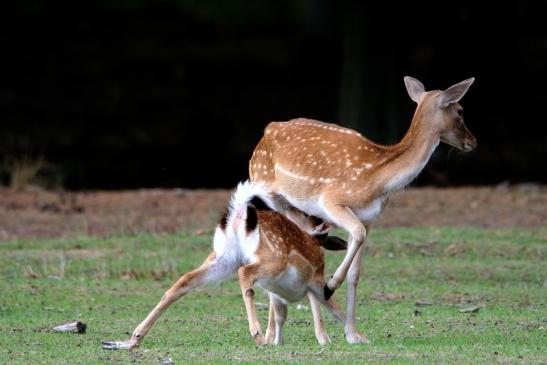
248 275
212 270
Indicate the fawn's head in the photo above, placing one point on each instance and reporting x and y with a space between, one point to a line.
443 111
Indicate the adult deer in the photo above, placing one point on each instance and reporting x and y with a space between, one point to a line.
338 175
264 248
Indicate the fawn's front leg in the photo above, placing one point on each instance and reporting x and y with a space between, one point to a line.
319 327
280 309
316 290
270 331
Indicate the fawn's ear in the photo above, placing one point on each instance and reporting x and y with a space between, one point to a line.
414 88
332 243
455 92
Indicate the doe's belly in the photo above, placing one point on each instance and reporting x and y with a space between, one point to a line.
370 212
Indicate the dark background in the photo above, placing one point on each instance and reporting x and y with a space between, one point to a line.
143 93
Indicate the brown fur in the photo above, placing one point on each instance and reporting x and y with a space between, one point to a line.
345 178
282 246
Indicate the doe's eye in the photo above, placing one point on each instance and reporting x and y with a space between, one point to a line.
460 112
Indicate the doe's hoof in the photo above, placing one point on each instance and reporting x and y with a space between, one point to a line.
328 292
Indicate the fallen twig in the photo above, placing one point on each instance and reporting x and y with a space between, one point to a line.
473 309
75 327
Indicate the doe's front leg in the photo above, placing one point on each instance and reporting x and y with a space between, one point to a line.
344 217
353 336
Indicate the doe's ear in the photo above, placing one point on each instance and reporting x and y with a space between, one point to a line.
414 88
455 92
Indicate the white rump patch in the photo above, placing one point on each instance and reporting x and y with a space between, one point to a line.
244 192
248 244
226 261
236 242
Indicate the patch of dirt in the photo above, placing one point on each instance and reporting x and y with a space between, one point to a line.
389 297
39 214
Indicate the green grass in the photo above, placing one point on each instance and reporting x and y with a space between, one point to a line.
111 284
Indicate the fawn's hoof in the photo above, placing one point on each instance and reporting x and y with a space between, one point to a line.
269 338
356 338
259 338
324 340
119 345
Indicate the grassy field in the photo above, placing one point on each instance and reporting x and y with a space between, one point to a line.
111 284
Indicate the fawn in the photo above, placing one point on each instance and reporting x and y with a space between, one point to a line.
263 248
336 174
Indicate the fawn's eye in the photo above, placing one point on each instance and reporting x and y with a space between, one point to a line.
460 112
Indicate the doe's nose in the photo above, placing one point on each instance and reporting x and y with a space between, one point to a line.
470 144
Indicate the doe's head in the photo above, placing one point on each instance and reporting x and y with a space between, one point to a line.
444 111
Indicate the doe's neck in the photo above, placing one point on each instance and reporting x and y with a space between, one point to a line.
410 155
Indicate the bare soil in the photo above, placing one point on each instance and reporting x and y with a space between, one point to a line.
39 214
